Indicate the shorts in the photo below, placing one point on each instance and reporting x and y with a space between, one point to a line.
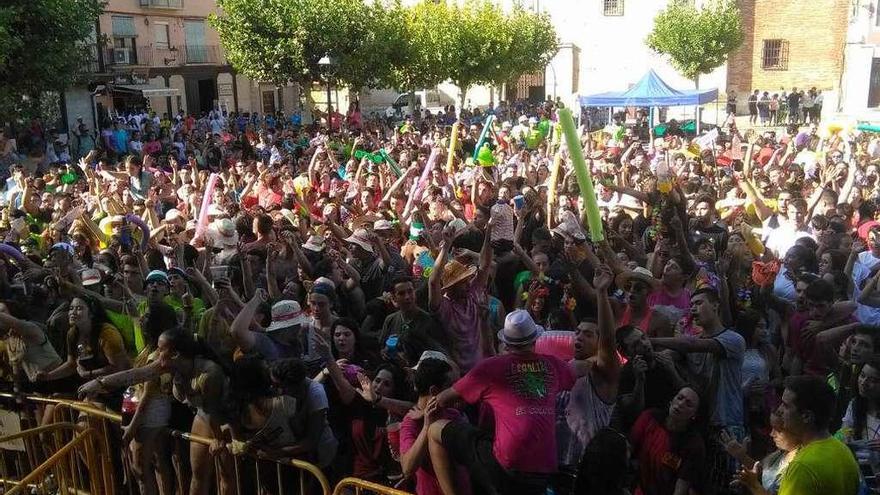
473 448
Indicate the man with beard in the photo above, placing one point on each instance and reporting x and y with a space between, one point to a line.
647 380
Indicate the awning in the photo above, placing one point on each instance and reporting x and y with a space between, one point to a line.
650 91
147 90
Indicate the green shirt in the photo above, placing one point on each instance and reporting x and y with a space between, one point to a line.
823 467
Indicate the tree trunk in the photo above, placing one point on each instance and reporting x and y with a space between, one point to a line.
308 115
462 98
417 116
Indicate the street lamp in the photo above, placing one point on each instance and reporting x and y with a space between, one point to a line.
327 63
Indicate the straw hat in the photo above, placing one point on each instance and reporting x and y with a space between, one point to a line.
641 274
455 272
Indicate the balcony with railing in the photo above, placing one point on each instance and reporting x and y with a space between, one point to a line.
204 54
161 4
153 56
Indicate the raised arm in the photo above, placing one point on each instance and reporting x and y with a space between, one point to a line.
241 325
435 280
606 363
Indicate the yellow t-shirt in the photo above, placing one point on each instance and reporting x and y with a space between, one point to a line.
823 467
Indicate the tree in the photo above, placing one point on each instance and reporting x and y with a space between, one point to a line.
416 42
284 40
488 46
697 40
45 45
534 44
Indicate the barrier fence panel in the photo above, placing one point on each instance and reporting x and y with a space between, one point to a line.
79 451
358 486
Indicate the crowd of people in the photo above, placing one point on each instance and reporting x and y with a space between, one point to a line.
429 311
768 108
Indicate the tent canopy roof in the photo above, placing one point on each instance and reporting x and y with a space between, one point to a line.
650 91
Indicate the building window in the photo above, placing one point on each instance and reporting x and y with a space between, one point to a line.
613 7
775 55
160 35
196 51
124 36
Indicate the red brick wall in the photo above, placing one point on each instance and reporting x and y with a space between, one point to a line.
815 31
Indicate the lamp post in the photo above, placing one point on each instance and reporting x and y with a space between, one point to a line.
327 63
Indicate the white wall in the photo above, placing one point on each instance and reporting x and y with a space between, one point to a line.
613 54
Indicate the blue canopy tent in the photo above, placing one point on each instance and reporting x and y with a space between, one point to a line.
650 91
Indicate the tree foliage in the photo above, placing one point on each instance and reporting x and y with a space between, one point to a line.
491 47
417 37
45 45
381 43
284 40
697 40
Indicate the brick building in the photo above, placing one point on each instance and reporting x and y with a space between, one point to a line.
165 56
790 43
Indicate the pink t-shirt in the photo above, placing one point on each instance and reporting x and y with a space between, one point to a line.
522 390
426 480
662 298
465 321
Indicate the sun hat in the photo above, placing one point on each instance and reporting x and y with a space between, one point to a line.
172 215
640 273
286 314
519 329
315 243
437 355
222 232
90 276
361 238
570 229
289 216
382 225
455 272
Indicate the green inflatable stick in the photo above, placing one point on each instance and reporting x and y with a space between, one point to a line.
373 157
585 182
390 161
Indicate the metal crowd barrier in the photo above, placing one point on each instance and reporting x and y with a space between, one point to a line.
67 470
358 486
83 459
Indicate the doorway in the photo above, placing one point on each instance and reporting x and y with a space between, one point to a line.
874 88
207 94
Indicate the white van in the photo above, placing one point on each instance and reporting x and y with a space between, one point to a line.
430 99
